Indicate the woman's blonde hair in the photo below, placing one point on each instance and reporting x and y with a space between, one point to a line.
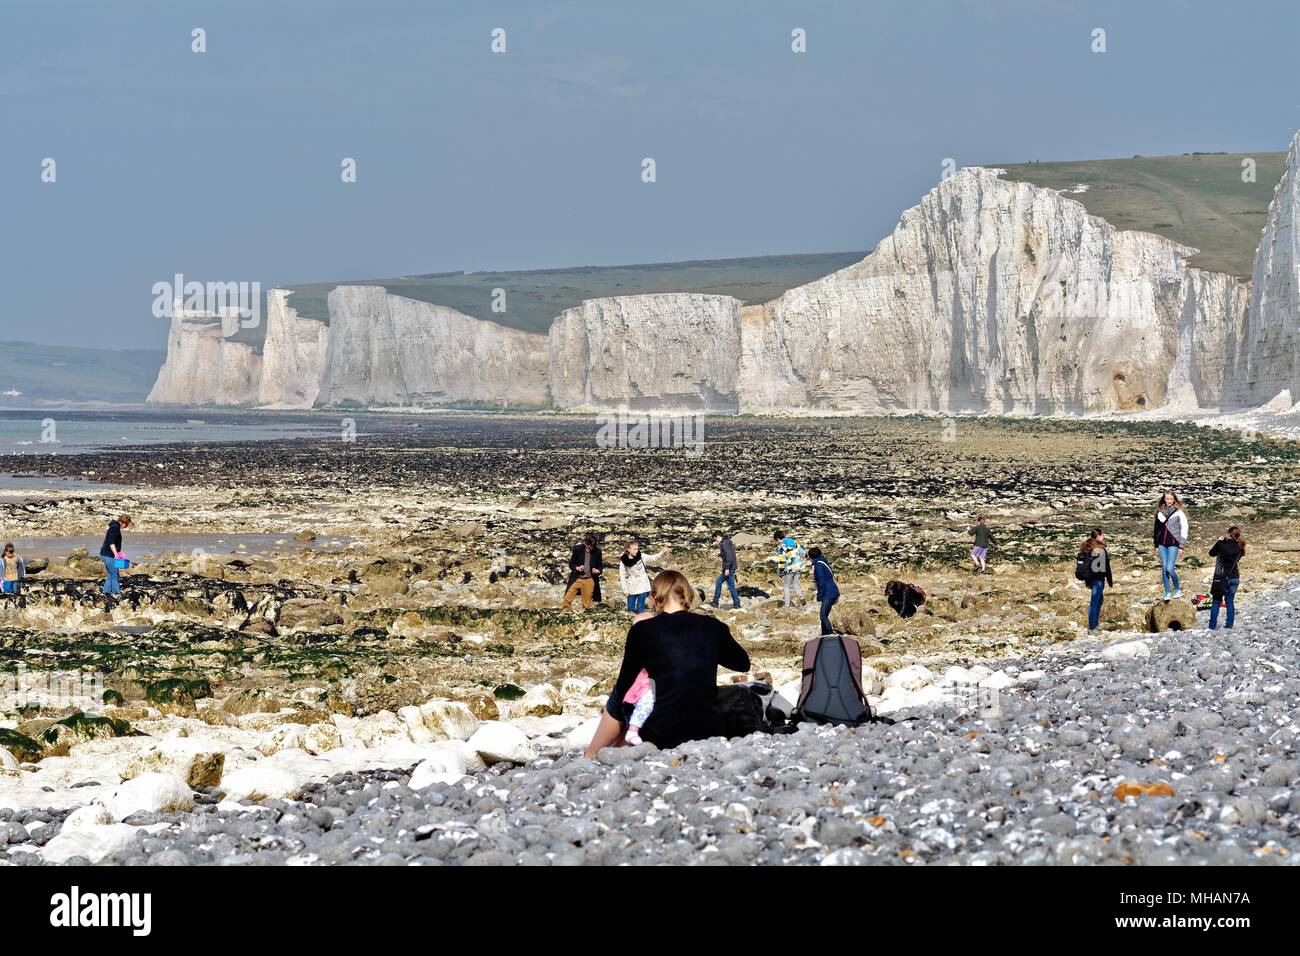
124 519
669 585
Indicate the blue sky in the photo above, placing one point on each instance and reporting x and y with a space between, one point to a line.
225 165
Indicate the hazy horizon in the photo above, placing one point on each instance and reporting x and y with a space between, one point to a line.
225 165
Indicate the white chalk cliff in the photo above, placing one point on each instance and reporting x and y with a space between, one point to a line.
1270 341
293 355
989 296
204 367
995 296
647 351
388 350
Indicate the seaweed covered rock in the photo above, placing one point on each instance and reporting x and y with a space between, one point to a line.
856 619
177 695
23 748
62 735
308 614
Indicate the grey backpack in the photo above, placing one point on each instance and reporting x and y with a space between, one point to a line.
831 692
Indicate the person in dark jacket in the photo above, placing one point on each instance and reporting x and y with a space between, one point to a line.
681 652
983 541
828 591
1227 552
727 552
111 550
585 566
1099 575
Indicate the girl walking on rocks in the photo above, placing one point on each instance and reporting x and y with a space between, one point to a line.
12 570
983 539
1092 566
633 577
1170 536
1227 552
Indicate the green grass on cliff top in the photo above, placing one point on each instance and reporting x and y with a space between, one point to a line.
1197 199
534 298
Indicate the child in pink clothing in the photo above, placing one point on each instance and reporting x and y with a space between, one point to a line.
642 694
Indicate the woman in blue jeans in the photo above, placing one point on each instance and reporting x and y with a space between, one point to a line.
1098 574
1170 537
111 550
828 591
1227 552
633 577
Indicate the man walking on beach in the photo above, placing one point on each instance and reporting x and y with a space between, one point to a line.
585 566
726 551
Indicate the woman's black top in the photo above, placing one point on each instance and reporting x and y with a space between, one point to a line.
681 652
1228 555
111 540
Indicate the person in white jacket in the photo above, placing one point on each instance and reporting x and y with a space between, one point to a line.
1170 537
633 577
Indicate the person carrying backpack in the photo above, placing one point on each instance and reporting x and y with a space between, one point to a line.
1227 552
1170 537
1092 566
827 590
789 565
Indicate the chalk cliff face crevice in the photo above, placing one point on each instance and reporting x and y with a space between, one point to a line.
647 351
293 355
388 350
204 367
1267 358
989 296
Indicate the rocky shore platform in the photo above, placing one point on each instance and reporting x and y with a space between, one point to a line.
366 636
1171 748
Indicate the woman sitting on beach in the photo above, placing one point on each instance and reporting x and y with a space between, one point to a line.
681 653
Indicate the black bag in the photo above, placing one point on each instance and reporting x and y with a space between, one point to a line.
1219 584
1083 565
904 598
741 708
832 683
